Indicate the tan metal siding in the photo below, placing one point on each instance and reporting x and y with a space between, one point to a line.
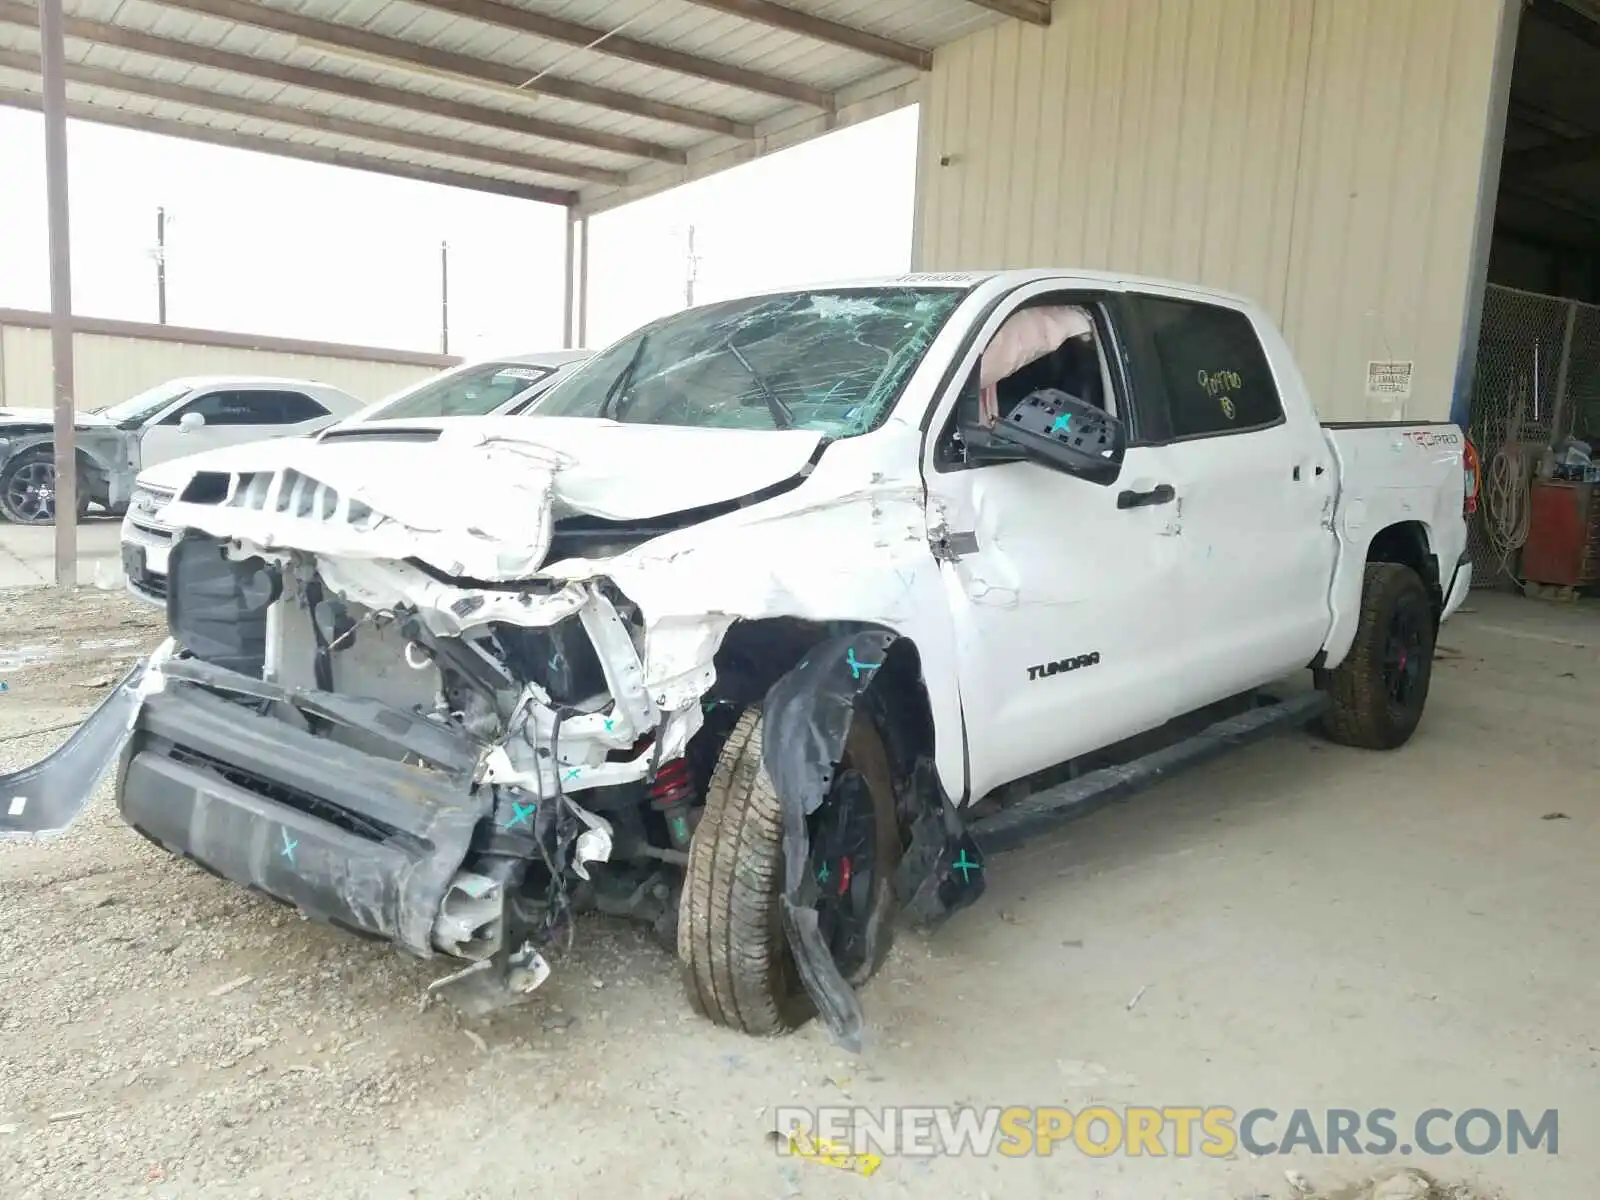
108 369
1319 156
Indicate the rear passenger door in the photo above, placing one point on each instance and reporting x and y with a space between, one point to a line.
1254 480
228 416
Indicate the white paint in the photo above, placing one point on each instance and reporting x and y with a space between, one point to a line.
1236 583
18 803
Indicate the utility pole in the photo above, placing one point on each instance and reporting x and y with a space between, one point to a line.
52 53
444 297
161 266
694 267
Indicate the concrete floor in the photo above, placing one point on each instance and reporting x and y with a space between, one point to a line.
28 553
1303 926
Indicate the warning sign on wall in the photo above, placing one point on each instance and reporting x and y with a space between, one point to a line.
1389 380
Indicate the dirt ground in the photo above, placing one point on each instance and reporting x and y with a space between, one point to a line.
1296 926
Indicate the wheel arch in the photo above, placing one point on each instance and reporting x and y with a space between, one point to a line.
1410 543
918 717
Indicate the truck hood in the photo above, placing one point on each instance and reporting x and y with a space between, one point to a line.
478 497
44 416
268 454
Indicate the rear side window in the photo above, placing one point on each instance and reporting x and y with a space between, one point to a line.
251 407
1216 374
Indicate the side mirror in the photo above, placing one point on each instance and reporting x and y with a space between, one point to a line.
1067 434
190 421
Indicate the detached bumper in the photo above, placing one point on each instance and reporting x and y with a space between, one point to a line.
349 838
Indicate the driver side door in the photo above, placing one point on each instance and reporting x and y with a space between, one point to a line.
1061 590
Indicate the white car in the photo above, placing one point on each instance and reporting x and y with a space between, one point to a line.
784 614
504 386
178 417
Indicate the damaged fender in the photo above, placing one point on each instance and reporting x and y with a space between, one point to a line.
807 718
41 801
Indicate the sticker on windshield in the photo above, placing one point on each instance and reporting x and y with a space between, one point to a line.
530 374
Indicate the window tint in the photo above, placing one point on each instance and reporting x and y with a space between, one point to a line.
251 407
1216 373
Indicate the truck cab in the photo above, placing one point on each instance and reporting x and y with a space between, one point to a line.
785 612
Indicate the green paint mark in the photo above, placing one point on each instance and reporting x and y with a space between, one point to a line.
680 829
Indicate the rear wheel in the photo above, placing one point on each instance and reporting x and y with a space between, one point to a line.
1381 687
28 489
737 965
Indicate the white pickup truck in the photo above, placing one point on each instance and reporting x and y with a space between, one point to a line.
786 611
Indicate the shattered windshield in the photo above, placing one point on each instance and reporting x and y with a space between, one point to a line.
147 403
829 361
473 391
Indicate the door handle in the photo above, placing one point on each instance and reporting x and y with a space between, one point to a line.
1160 494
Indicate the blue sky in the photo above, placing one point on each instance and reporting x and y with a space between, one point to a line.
268 245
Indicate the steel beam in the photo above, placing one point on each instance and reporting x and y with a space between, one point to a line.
399 54
52 37
249 67
618 45
821 29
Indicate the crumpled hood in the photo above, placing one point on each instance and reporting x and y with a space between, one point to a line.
47 416
269 454
477 497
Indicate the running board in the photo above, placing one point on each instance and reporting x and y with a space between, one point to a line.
1016 824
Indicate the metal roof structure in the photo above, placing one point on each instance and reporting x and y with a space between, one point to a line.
586 104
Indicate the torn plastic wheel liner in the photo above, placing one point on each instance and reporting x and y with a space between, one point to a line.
42 800
807 719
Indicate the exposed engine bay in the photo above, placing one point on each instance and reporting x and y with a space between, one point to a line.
462 748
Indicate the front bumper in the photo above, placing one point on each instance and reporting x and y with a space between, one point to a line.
358 841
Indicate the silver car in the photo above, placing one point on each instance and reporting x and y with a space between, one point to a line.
501 387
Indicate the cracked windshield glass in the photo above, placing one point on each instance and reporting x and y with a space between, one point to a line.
828 361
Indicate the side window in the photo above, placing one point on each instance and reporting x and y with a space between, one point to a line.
251 407
1050 341
1216 374
297 407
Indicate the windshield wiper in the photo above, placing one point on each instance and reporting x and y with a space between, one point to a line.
624 377
781 416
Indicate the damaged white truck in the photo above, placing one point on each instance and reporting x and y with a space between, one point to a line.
780 614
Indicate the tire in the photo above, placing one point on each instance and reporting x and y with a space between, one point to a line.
737 967
23 482
1381 687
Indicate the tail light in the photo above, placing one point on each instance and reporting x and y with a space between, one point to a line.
1471 477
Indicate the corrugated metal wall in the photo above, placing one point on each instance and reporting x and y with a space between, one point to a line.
1320 156
111 368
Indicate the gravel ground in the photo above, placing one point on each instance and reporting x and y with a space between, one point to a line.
165 1034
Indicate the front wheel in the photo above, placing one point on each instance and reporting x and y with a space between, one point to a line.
28 489
737 965
1380 688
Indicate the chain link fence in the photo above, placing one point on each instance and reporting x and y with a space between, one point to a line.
1537 382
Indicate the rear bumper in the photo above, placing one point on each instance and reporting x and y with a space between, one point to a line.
349 838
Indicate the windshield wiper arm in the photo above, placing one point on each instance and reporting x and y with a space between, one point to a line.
624 377
781 416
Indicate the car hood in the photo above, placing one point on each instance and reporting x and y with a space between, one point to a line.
267 454
477 497
46 416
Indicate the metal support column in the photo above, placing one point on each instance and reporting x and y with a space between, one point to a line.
583 283
53 69
569 291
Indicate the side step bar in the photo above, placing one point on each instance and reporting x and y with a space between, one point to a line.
1016 824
